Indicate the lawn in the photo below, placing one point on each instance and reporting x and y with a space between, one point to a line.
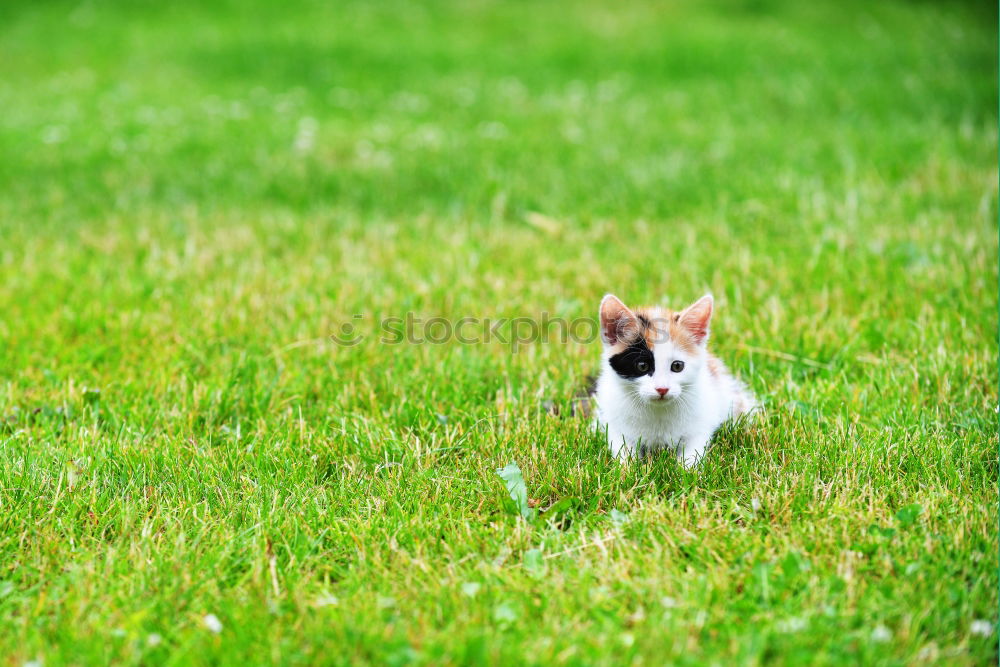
194 197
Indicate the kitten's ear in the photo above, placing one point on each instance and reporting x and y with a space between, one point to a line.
696 317
617 321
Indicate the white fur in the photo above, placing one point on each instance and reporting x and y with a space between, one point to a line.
637 420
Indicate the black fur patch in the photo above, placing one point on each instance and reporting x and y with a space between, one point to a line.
624 363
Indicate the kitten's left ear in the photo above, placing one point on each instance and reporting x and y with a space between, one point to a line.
696 317
617 321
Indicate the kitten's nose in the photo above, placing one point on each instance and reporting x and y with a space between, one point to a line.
662 391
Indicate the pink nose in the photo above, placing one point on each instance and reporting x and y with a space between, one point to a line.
662 391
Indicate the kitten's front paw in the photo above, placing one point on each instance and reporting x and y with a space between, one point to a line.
621 449
690 460
693 455
623 454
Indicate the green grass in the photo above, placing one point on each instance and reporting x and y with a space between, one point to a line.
192 198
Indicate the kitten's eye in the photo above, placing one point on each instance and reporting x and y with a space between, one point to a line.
677 366
642 367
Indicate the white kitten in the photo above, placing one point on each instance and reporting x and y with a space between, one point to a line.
659 387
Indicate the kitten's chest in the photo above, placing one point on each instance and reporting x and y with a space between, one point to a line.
666 427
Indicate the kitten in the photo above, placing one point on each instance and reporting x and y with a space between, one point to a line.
659 387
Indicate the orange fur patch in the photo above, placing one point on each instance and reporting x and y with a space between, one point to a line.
659 324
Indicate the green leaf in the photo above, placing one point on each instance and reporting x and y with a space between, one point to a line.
517 489
794 564
908 515
561 505
866 548
504 614
762 575
534 563
875 529
618 518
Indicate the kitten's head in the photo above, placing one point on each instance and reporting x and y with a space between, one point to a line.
656 354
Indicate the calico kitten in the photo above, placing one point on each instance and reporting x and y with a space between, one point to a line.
659 387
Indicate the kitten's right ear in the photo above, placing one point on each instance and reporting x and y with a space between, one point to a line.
617 321
696 317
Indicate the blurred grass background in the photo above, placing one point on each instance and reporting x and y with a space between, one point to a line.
195 195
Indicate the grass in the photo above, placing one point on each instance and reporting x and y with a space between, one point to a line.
195 196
